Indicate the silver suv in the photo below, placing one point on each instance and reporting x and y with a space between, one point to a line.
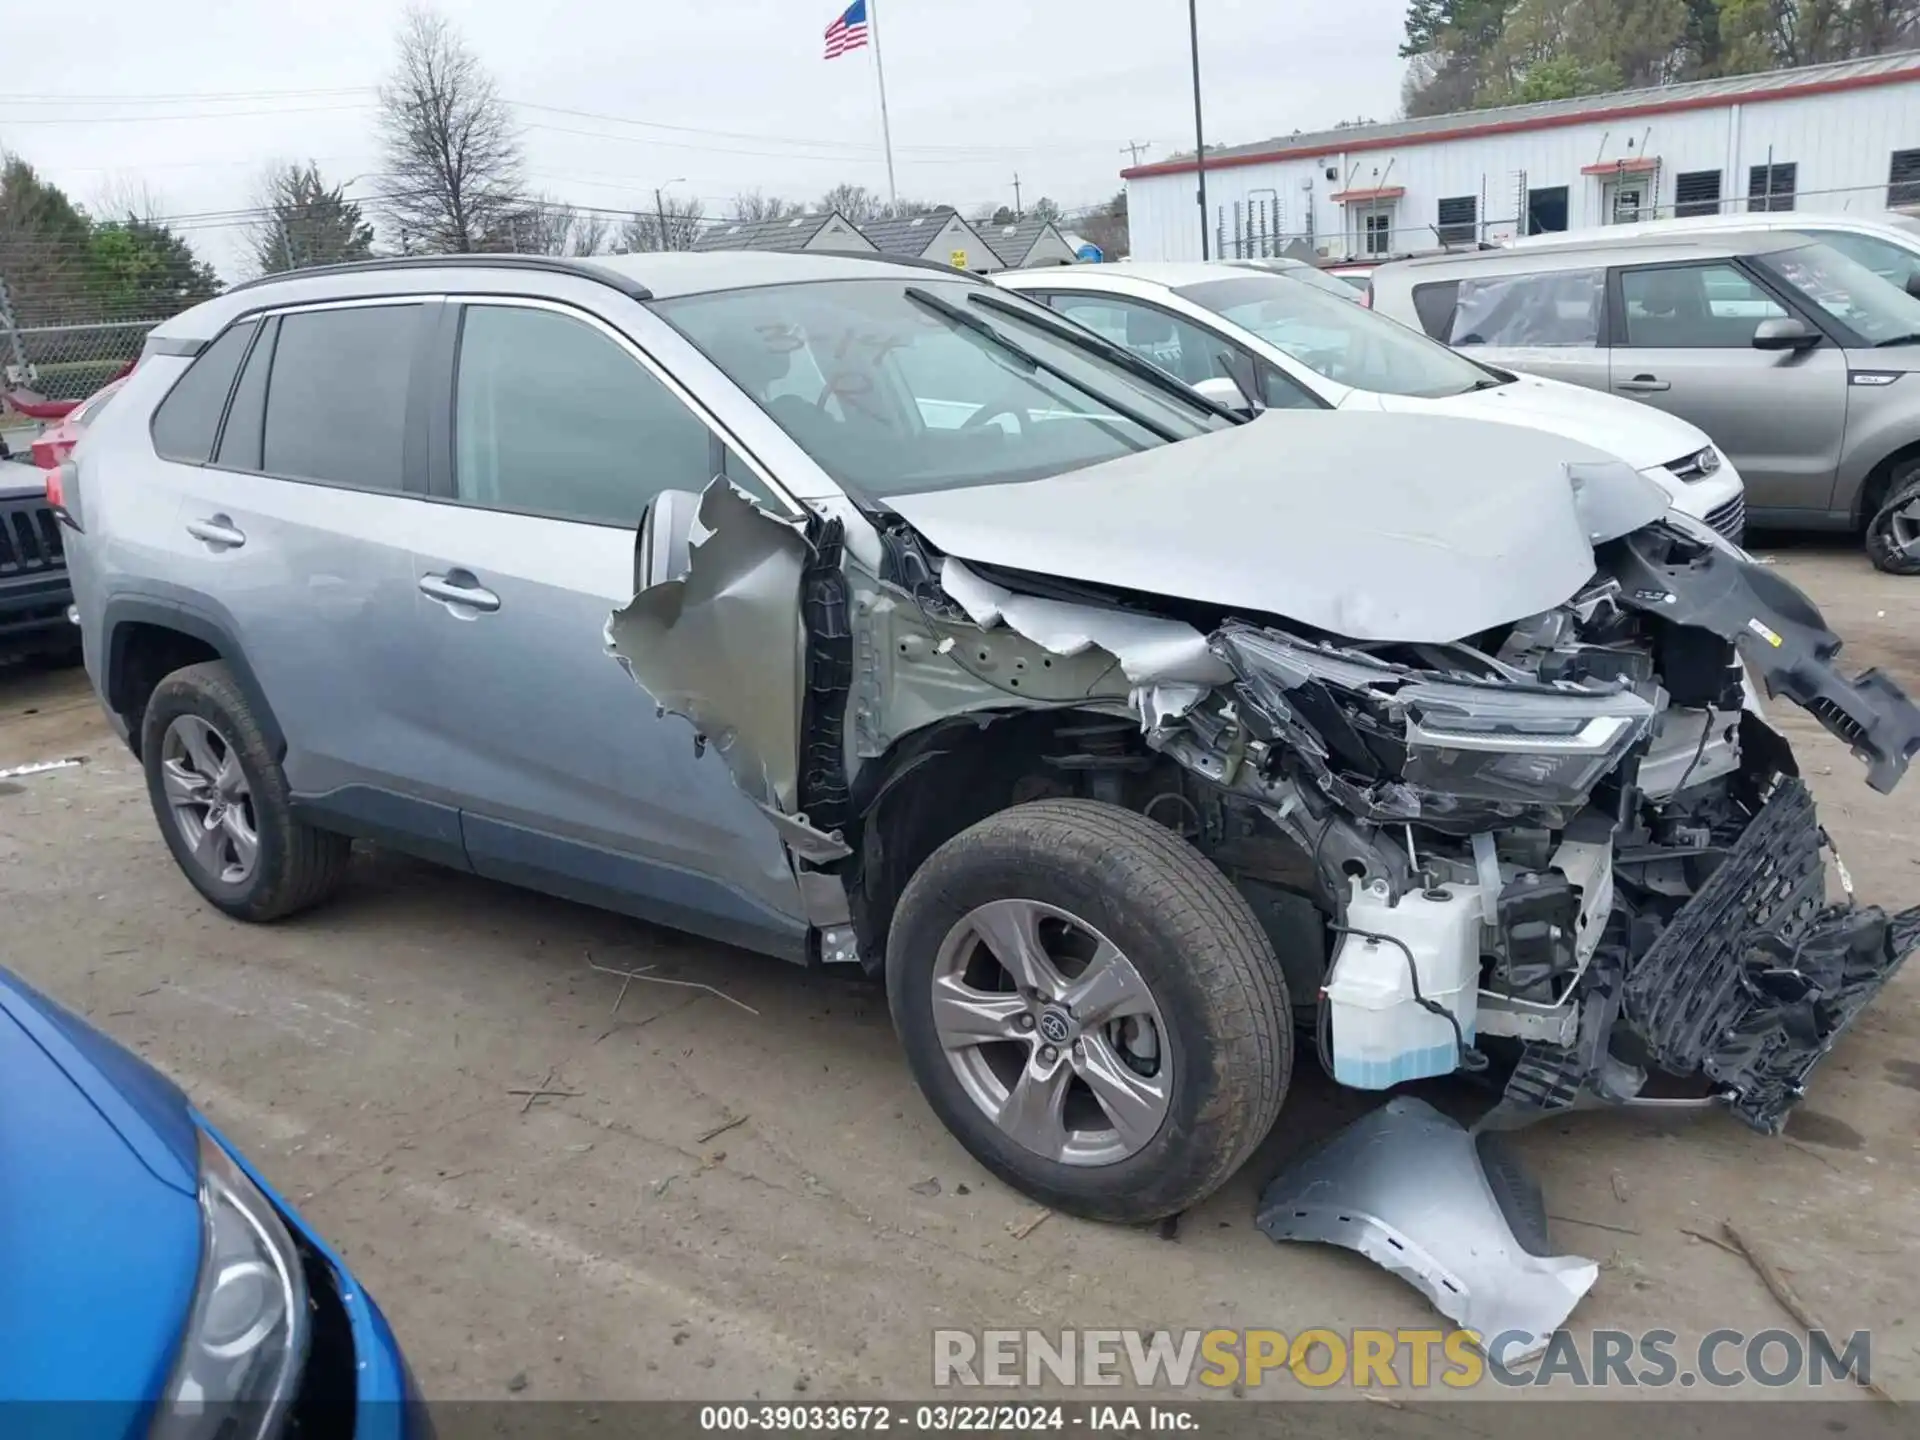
1795 358
981 653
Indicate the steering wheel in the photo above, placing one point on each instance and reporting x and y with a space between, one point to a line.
994 409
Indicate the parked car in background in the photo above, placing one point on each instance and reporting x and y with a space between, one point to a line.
55 443
960 644
1294 344
1886 243
1306 274
1797 359
34 589
151 1272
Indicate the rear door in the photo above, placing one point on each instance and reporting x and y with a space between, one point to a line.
552 433
1683 342
295 527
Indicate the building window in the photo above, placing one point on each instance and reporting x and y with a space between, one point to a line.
1547 210
1626 198
1903 178
1696 192
1459 219
1770 187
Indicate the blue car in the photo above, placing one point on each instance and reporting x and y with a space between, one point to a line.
147 1270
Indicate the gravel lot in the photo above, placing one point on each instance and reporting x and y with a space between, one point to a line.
731 1200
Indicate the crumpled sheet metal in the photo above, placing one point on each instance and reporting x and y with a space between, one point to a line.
721 644
1403 1185
1168 662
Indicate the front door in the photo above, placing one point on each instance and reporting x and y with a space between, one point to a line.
1683 342
565 777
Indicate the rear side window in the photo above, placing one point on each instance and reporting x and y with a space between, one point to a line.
337 400
189 418
1560 308
240 438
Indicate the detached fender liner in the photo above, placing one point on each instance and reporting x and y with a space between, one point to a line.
1755 979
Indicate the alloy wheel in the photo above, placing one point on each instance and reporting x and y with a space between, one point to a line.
211 802
1052 1032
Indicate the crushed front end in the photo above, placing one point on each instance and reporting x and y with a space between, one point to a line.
1571 844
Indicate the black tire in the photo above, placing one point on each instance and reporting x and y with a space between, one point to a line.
298 866
1883 548
1194 941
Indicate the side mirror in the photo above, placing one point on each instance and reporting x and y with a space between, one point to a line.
663 550
1223 391
1913 284
1785 333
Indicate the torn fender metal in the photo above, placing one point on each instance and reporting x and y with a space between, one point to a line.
721 643
1454 1217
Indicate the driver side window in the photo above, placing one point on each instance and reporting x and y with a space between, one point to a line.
1184 350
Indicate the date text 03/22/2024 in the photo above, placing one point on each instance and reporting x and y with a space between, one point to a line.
947 1418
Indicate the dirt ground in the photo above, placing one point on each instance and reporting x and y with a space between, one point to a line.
742 1193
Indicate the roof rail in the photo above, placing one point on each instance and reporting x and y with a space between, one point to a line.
552 264
917 262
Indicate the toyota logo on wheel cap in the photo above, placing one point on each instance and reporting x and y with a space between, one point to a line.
1055 1027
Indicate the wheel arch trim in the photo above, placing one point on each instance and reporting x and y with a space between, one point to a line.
204 620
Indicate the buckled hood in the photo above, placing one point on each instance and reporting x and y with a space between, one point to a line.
1432 528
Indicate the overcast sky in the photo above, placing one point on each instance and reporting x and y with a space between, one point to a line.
976 92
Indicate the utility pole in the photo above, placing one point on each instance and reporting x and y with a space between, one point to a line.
1016 194
1199 135
660 210
1134 147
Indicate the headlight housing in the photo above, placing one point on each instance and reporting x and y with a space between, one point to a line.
1697 466
246 1337
1521 746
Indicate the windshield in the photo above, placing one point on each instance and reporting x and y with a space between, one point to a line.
1341 340
1874 310
897 386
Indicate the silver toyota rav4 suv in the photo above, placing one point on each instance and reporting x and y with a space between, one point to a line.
856 611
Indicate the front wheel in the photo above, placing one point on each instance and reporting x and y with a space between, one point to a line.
1091 1007
1893 534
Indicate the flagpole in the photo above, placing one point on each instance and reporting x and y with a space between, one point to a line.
880 72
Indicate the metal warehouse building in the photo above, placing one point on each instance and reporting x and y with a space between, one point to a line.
1844 136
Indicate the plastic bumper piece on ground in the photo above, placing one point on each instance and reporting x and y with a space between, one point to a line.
1450 1213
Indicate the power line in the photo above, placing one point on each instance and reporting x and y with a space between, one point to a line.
189 115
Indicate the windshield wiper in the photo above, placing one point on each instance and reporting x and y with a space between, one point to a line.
1077 334
1908 339
1010 346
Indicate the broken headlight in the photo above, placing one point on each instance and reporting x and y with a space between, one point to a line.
1521 746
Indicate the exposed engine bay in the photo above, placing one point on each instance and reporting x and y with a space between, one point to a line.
1567 842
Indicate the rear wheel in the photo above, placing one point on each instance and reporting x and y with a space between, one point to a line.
1893 534
1091 1007
223 804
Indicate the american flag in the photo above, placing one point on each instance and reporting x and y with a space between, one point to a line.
849 32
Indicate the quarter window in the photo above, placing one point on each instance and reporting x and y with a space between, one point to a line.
1693 307
337 403
189 418
552 417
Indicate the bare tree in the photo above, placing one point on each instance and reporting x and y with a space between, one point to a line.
452 152
127 197
544 226
856 202
683 219
751 207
